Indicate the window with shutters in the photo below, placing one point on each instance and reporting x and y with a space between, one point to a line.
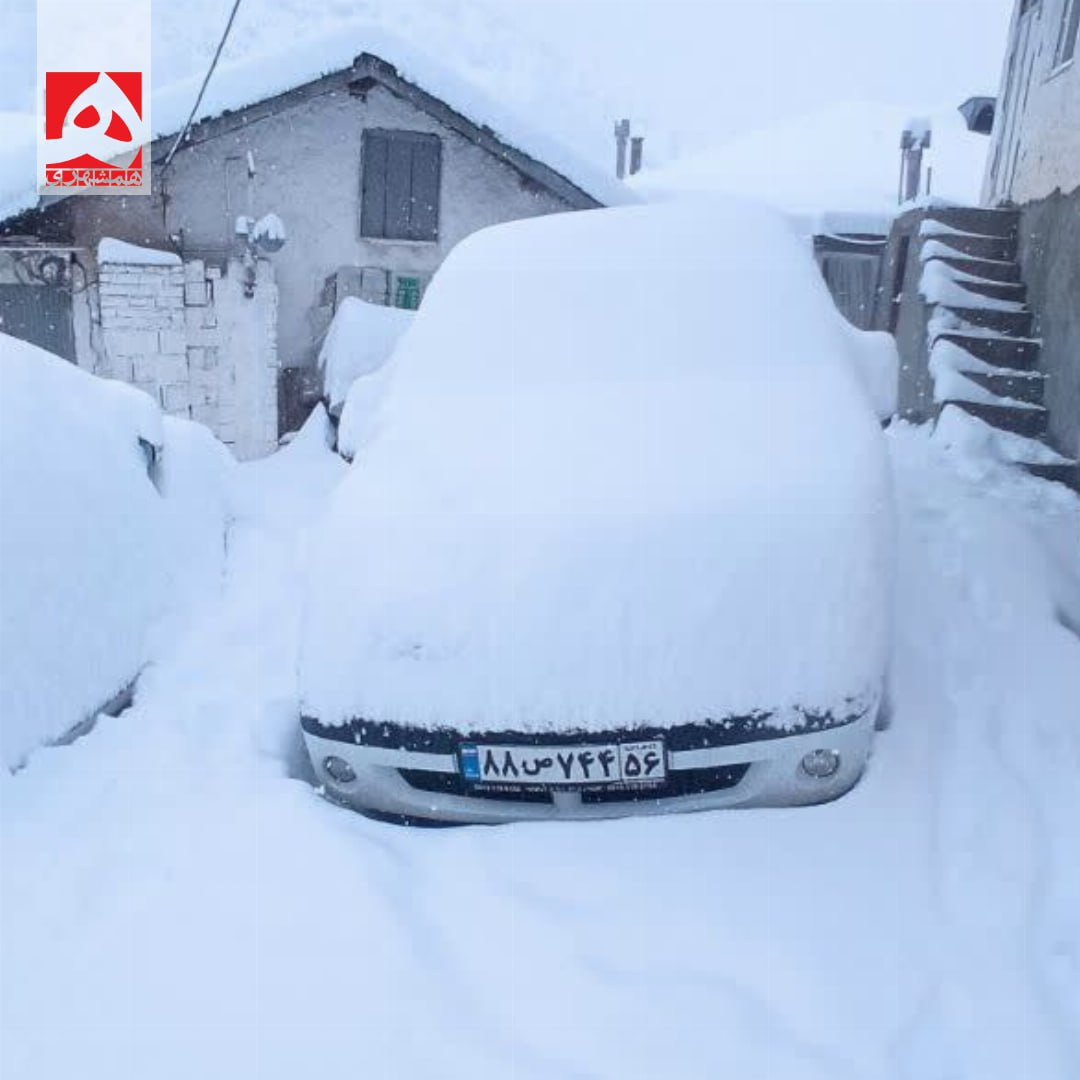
399 187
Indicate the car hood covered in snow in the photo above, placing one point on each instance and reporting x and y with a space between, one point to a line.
624 474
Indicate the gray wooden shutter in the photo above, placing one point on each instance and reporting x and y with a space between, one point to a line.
374 151
400 185
398 189
426 170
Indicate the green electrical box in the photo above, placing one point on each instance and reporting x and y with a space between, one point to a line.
407 293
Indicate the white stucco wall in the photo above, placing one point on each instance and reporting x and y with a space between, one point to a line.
189 337
1047 109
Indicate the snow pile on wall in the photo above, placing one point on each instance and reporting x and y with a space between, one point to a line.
110 250
596 501
358 343
90 552
842 158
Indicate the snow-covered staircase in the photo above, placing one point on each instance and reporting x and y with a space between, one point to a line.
983 352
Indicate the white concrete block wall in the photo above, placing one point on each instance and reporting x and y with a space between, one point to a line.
193 340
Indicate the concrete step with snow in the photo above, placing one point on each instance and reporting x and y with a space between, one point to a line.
1069 474
1013 324
1021 386
976 246
1021 354
962 425
1029 422
1014 291
974 219
1005 271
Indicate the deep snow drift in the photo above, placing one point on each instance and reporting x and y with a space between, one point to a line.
173 905
591 504
91 554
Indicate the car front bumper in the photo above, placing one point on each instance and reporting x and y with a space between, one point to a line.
425 785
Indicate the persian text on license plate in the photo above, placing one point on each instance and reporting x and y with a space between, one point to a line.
564 766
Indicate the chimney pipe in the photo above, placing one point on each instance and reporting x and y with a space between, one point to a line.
622 134
637 146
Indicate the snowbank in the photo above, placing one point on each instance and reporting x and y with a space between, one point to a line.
877 363
359 341
593 503
91 554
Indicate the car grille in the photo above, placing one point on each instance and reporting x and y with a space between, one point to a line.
678 784
443 783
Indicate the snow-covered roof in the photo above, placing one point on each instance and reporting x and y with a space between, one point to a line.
258 77
835 169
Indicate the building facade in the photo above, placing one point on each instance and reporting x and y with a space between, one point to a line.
984 300
1034 165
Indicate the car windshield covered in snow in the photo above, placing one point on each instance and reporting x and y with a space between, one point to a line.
627 490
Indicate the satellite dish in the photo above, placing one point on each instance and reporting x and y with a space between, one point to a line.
268 234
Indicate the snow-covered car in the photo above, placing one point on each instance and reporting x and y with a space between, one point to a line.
622 543
111 518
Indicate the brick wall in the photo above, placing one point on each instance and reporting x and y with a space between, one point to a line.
189 336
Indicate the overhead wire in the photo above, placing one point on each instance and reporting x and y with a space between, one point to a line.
202 89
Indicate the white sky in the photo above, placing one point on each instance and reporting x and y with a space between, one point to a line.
692 72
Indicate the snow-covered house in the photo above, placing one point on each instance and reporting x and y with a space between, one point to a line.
983 297
369 167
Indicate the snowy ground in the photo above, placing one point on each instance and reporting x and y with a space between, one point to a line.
174 904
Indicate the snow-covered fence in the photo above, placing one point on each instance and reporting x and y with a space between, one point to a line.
187 334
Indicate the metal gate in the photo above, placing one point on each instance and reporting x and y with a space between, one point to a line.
39 314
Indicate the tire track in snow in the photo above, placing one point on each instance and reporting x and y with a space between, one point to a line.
925 1045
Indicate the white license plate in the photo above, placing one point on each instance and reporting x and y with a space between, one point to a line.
564 766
